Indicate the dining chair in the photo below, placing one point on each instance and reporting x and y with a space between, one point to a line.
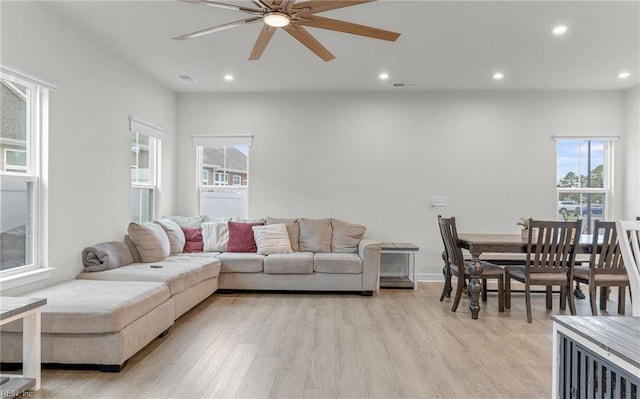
629 239
455 266
549 261
605 268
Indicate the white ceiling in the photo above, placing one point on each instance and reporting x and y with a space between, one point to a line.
447 45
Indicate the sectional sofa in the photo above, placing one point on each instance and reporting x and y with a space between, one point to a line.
132 292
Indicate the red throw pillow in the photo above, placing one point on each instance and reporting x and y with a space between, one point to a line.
193 236
241 237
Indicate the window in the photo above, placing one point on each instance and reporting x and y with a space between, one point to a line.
219 178
15 160
224 158
583 180
145 153
205 177
23 123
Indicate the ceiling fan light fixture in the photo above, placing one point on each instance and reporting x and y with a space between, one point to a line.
276 19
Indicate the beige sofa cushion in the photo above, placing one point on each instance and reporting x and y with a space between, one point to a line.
179 273
293 229
88 307
315 235
272 239
215 236
346 236
294 263
241 262
175 234
337 263
150 240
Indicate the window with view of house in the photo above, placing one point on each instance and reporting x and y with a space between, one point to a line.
23 122
145 154
583 180
226 160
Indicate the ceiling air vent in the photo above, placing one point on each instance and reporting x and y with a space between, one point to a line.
187 79
403 85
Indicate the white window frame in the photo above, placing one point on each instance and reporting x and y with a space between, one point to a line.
608 164
11 167
200 142
220 179
155 134
37 131
205 177
236 180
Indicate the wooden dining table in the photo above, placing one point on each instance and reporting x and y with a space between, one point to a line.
479 243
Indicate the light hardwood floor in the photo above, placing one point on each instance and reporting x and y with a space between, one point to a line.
396 344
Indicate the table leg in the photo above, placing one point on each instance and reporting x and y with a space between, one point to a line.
31 347
474 270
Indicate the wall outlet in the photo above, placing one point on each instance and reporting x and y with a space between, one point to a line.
438 201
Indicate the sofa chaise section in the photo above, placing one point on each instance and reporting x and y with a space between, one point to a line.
100 323
190 279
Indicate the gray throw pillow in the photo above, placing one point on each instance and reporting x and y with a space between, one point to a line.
315 235
293 229
175 234
346 236
150 240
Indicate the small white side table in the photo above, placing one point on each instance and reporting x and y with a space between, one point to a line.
406 281
27 309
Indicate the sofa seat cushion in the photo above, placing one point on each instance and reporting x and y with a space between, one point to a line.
177 272
241 262
293 263
337 263
91 307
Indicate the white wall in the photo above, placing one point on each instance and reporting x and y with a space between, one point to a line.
632 154
376 158
89 171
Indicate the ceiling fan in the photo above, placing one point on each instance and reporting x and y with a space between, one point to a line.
292 17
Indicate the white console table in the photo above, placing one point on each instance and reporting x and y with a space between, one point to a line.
410 279
27 309
596 357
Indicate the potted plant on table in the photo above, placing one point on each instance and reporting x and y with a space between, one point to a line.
524 223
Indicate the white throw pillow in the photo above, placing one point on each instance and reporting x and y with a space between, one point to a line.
272 239
150 240
215 236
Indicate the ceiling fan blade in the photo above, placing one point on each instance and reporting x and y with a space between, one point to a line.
225 5
347 27
304 37
288 5
218 28
315 6
263 39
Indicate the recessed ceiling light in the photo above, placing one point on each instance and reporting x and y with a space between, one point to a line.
559 30
383 76
228 77
498 76
624 75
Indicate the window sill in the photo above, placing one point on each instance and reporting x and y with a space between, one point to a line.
30 277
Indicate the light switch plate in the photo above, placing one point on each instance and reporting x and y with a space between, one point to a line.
438 201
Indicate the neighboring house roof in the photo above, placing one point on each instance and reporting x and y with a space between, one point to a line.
236 159
13 123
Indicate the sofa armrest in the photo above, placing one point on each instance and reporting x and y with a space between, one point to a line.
369 251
